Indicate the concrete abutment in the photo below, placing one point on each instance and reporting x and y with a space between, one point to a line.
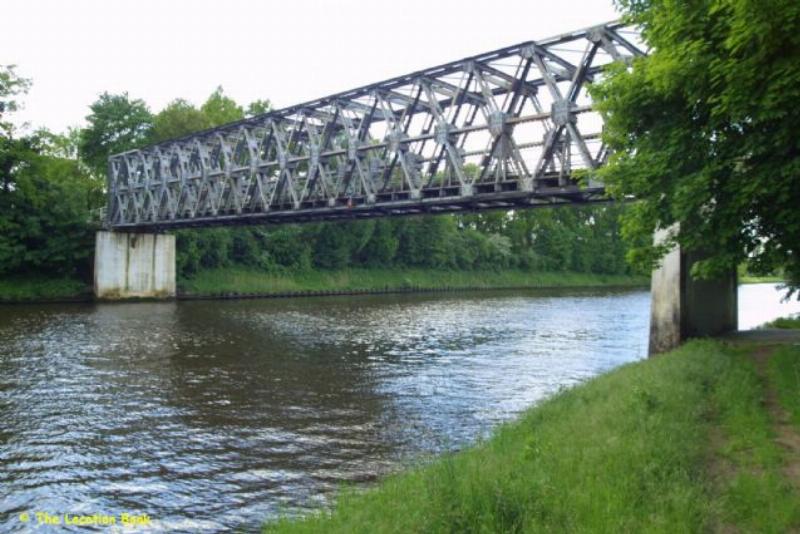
682 307
134 265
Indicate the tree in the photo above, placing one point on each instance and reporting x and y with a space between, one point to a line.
381 248
116 124
705 132
177 119
45 208
45 195
11 85
258 107
11 150
221 109
427 241
64 145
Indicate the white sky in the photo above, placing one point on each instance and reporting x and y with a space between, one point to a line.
288 51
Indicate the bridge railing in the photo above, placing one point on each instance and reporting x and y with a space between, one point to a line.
501 129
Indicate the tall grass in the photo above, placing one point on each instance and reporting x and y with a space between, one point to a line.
253 281
37 287
785 323
755 497
784 369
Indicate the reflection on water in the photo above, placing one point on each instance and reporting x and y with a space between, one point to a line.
212 415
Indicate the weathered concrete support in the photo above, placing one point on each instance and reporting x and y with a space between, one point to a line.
682 307
134 265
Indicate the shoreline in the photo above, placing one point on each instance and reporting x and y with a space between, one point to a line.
685 436
235 284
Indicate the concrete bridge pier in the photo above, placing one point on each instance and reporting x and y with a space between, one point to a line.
134 265
683 308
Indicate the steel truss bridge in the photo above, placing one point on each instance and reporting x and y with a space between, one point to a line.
500 130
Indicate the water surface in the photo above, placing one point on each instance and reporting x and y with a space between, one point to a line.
216 415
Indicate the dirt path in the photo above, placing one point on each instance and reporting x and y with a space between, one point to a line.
721 470
760 344
787 435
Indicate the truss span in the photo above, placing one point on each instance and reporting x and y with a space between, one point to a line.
504 129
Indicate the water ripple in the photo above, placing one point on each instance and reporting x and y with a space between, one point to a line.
216 415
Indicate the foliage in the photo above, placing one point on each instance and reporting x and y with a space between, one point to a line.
786 323
63 146
784 371
177 119
221 109
704 131
258 107
45 210
745 276
577 240
11 85
116 123
238 279
46 198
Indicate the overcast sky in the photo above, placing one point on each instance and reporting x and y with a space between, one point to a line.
288 51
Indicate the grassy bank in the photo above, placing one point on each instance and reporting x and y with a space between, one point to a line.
37 288
749 279
236 280
784 371
240 280
785 323
251 281
746 277
679 443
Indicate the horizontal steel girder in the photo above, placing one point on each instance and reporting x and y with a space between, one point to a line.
500 130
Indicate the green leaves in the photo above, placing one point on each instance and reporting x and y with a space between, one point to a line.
11 85
46 195
706 130
221 109
179 118
117 123
45 215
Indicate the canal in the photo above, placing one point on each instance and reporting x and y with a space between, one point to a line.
213 415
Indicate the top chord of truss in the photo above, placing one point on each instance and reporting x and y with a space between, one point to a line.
503 129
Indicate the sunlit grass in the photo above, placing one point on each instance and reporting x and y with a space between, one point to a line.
750 279
237 280
787 323
745 277
755 497
784 371
37 287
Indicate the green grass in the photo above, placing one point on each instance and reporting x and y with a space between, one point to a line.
745 277
784 369
236 280
786 323
33 287
755 497
630 451
750 279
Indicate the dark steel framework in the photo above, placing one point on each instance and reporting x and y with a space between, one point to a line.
504 129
